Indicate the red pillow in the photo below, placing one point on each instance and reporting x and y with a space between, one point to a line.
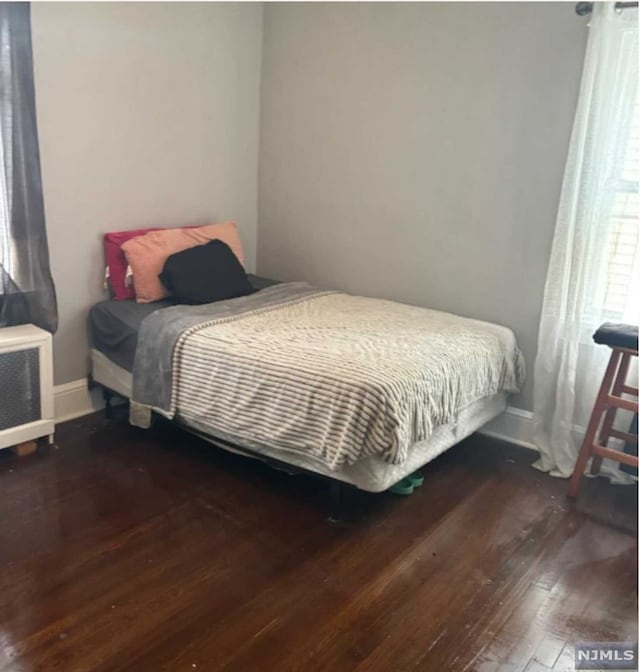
117 263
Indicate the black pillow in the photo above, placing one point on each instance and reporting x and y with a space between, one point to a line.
204 274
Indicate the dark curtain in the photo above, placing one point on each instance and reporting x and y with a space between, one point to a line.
27 293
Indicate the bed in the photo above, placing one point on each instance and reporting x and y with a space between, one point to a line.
359 390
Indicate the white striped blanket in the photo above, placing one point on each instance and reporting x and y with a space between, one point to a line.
336 376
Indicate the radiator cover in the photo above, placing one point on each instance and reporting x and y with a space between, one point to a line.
26 385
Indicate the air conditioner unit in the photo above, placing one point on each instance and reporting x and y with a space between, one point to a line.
26 385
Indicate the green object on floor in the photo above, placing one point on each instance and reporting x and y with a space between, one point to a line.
416 478
403 487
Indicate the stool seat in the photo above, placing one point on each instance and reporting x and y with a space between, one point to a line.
617 335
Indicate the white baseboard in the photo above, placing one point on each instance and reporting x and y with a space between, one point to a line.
73 400
514 426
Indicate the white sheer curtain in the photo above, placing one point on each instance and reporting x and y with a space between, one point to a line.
593 268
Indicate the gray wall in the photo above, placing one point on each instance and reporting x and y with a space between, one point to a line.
415 151
148 115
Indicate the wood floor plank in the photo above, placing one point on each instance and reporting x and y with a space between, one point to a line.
129 550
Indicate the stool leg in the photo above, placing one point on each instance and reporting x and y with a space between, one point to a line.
610 415
592 428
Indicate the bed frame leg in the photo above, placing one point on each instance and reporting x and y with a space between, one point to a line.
107 395
336 495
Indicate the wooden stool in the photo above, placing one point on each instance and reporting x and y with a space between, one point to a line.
608 401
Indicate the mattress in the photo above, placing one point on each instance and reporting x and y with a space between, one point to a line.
114 325
371 473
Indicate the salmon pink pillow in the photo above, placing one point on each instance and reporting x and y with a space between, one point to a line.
146 254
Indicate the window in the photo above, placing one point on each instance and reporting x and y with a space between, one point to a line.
622 293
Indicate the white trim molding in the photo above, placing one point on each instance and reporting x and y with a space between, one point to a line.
73 400
514 425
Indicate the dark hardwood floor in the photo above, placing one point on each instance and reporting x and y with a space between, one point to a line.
122 549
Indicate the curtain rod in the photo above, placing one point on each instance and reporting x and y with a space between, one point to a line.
584 8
